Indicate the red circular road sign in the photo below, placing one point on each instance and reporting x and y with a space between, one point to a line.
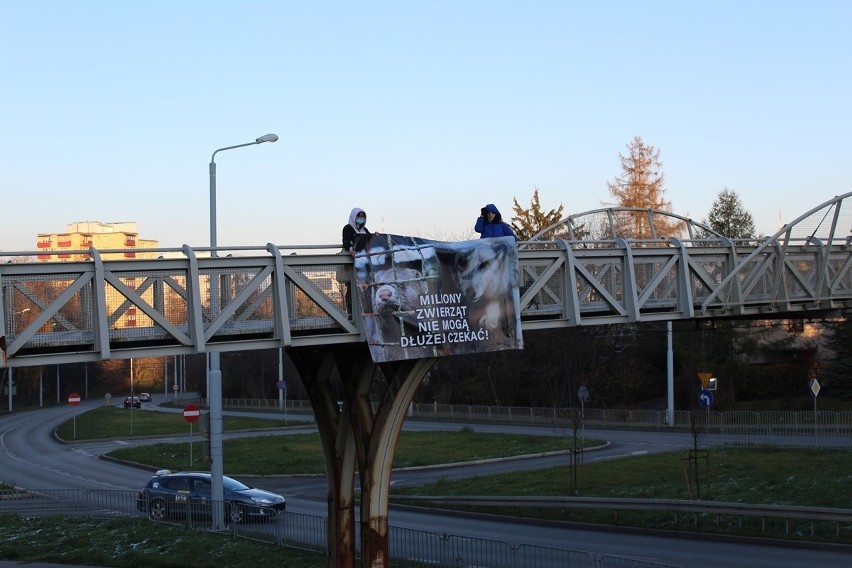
191 413
73 399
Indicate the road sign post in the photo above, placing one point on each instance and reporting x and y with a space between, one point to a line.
74 400
282 397
814 387
583 395
705 398
191 414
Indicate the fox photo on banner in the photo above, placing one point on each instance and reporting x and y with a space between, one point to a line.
424 298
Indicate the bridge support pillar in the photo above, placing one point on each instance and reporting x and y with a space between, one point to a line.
363 435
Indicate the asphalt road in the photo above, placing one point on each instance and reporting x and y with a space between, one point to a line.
30 456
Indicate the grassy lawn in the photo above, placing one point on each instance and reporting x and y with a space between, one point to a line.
288 454
114 421
817 478
302 453
135 543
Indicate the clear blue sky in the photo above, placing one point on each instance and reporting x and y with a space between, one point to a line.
419 112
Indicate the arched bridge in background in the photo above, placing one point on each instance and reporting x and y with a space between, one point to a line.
584 270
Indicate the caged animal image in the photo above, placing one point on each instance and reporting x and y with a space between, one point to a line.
425 298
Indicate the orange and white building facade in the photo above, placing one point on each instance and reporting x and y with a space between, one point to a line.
113 241
121 239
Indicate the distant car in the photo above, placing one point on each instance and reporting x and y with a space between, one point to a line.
135 402
144 397
169 494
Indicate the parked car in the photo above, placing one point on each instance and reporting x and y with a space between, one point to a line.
168 494
144 397
134 401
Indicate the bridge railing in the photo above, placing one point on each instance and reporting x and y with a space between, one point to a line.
103 308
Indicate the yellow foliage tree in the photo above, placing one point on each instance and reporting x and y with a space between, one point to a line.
641 185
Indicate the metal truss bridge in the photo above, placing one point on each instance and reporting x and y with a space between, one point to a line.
584 270
580 271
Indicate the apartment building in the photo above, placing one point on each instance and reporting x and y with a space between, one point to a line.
113 241
121 239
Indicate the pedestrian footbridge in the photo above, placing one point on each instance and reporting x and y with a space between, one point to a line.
583 270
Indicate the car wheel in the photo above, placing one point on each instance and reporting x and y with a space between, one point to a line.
236 513
157 510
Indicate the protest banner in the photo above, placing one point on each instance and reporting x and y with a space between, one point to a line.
423 298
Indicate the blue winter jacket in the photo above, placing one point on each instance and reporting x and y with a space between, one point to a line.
497 228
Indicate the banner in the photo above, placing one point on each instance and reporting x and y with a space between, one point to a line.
424 298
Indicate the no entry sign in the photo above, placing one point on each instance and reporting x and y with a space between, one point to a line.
191 413
73 399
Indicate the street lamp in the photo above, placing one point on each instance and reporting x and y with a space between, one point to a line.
261 140
15 331
214 389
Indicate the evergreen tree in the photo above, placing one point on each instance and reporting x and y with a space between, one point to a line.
528 222
728 217
641 185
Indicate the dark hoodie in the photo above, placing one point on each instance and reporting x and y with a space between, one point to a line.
355 236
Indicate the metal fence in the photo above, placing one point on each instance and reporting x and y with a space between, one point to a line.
409 547
831 429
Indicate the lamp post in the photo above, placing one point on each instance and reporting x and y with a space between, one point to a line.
214 391
15 331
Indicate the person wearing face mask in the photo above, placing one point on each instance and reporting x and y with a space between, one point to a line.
355 232
355 237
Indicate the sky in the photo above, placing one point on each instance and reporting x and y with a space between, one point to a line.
419 112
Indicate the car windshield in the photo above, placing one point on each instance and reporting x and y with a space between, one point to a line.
234 485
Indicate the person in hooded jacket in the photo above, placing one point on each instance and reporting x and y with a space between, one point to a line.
355 232
490 224
354 238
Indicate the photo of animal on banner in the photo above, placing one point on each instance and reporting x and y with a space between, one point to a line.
425 298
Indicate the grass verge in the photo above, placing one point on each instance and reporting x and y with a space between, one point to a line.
817 478
136 543
111 422
302 453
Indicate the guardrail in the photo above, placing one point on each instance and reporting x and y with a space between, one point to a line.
675 506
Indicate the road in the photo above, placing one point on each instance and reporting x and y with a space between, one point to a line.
30 456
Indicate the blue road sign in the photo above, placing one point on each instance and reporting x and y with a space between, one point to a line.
705 397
